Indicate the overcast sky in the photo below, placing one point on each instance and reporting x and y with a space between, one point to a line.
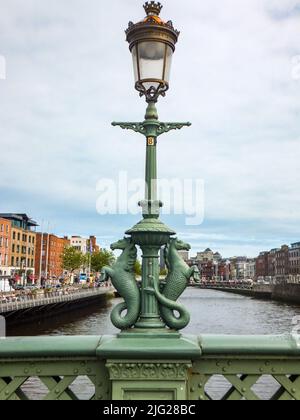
69 74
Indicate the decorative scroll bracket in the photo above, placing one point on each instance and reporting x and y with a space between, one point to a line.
160 127
166 127
137 127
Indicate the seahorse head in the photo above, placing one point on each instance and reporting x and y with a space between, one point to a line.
129 254
180 245
171 250
121 244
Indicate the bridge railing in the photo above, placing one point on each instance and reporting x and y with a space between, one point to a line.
226 285
189 367
51 298
52 369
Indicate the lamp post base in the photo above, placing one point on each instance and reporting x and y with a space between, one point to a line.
150 323
144 332
146 367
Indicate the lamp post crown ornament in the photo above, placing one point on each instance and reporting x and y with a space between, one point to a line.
152 307
153 8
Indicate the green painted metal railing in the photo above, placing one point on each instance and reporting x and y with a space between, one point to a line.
46 368
219 367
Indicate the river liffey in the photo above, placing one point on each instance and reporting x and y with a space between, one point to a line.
212 312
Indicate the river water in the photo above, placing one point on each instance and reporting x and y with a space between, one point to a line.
212 312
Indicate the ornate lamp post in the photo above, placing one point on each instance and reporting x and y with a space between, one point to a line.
151 308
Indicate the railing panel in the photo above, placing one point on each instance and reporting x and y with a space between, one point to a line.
233 378
54 380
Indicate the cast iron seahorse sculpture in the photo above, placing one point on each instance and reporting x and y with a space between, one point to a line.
175 284
123 279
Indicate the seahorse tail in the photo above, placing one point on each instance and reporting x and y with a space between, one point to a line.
167 308
172 321
127 321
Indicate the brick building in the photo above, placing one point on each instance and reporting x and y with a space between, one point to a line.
261 266
5 246
49 250
282 264
224 270
279 265
294 263
22 252
92 242
207 270
272 263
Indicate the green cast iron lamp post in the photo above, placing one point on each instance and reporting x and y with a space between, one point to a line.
152 307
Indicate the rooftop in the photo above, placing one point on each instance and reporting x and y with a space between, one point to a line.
20 217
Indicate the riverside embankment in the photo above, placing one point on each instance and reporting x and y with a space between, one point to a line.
285 292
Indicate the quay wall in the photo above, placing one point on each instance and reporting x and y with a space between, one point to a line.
289 293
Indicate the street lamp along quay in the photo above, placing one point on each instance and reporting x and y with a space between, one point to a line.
152 308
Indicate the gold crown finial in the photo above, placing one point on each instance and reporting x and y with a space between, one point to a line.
153 8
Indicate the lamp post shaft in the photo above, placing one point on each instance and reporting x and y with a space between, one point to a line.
151 170
150 234
151 119
150 316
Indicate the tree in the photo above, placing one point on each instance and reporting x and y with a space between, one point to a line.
163 272
72 259
138 268
101 259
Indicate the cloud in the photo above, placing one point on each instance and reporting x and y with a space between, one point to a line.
68 75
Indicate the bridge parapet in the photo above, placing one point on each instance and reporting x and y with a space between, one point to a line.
176 368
